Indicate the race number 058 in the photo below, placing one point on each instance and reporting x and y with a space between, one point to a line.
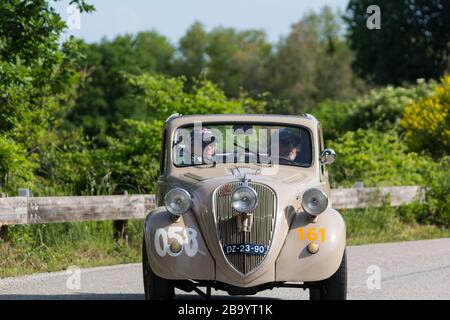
186 237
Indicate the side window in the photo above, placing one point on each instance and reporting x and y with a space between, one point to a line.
163 154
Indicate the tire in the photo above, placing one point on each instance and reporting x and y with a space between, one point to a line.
333 288
155 288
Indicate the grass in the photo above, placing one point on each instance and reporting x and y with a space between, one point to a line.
372 225
55 247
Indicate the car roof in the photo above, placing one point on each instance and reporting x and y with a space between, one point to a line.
176 120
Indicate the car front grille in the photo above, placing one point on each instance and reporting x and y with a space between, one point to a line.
261 230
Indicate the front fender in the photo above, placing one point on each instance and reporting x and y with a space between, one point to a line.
296 264
194 261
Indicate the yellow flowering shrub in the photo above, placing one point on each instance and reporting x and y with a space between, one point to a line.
427 121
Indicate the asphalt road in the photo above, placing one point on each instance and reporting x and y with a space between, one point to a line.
407 270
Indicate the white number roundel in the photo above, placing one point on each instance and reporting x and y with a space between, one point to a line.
186 237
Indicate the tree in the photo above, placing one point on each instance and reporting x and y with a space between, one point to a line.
106 98
412 43
192 48
238 60
313 63
232 59
37 79
153 52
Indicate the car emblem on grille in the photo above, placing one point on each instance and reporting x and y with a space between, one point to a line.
226 190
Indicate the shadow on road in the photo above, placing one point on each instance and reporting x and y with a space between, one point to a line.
75 296
120 296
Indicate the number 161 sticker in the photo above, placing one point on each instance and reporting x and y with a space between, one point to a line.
312 234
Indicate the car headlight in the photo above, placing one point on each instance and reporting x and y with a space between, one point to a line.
244 199
314 201
178 201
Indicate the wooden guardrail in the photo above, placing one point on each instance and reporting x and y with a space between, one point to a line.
34 210
353 198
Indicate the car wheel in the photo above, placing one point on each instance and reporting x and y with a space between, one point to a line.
155 288
333 288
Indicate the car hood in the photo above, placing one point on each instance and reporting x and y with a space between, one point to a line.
287 174
288 182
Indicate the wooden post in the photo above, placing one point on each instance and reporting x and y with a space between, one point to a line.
3 229
4 233
121 229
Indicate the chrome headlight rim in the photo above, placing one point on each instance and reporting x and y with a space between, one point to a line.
314 201
254 199
169 198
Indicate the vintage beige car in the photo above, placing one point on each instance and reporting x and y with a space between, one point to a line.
243 206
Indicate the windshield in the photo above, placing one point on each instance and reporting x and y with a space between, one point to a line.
201 144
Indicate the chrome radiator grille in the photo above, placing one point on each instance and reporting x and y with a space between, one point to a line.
261 230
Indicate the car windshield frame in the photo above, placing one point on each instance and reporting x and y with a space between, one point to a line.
306 129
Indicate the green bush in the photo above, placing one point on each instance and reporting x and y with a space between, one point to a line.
377 159
427 121
436 206
382 159
380 109
16 169
438 195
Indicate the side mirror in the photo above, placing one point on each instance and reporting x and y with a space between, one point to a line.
328 156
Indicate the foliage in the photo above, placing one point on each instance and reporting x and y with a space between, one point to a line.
15 167
238 60
411 44
436 207
133 157
106 97
192 48
380 109
37 80
382 159
34 73
313 63
163 96
377 159
426 121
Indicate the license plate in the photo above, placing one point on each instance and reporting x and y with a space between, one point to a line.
246 248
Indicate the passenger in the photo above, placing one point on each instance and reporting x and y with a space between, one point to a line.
289 146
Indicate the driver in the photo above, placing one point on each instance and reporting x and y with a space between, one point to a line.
208 149
289 145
